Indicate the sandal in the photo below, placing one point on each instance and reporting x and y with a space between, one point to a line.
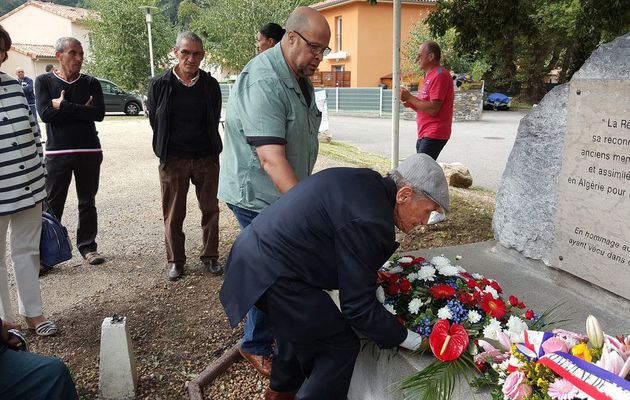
46 328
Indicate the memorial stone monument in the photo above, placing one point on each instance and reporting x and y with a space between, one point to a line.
565 194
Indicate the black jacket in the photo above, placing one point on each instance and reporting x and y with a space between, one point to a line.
158 104
334 230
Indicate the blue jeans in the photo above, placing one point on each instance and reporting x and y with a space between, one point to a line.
257 336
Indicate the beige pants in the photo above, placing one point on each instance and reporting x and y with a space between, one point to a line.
26 228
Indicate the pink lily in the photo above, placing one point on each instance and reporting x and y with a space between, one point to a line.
611 360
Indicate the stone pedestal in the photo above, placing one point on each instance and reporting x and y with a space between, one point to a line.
117 369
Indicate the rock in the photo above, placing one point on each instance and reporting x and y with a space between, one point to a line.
526 202
457 175
324 137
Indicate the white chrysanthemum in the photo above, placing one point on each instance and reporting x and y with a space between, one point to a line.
460 269
380 294
386 265
390 308
405 260
477 276
448 270
412 276
440 261
474 316
396 270
491 290
426 273
414 306
515 329
444 313
490 331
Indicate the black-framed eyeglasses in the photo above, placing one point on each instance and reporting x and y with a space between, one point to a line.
315 49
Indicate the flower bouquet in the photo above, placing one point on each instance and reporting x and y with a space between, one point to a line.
475 334
452 309
558 365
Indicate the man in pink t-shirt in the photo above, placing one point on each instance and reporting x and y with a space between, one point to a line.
434 104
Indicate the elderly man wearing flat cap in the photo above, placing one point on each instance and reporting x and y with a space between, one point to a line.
332 231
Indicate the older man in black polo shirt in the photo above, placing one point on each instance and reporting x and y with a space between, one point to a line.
184 110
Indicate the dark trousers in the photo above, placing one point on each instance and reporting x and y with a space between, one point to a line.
429 146
175 178
86 168
31 376
316 348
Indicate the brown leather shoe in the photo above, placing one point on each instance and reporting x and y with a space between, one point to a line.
262 364
273 395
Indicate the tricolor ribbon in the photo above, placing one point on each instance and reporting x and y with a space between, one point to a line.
588 377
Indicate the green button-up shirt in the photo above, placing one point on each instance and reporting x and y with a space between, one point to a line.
266 101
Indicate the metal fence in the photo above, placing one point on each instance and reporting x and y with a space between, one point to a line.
375 101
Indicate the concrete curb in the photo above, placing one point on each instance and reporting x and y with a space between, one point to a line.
195 387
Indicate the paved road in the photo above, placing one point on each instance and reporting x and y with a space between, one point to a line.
483 146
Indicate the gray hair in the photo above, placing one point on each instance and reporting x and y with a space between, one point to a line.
62 43
190 36
401 182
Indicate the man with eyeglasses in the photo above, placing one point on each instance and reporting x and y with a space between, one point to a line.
271 130
184 106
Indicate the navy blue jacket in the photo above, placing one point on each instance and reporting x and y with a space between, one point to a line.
27 87
334 230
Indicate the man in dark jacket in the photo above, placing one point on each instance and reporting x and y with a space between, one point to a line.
331 231
184 110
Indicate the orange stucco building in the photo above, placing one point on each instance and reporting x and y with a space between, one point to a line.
361 36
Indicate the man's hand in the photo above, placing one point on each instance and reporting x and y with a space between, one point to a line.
56 103
405 96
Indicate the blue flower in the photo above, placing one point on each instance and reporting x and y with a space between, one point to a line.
424 327
458 311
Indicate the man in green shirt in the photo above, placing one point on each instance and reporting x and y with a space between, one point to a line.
271 129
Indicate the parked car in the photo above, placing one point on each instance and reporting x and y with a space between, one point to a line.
497 102
117 100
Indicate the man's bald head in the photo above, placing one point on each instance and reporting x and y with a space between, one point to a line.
306 19
306 41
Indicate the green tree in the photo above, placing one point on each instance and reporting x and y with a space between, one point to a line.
119 42
451 59
524 40
229 26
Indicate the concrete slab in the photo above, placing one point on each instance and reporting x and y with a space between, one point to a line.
539 286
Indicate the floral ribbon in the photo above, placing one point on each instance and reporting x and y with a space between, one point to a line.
588 377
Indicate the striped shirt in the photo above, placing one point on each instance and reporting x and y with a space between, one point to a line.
21 159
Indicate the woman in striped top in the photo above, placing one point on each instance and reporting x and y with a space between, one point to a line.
22 192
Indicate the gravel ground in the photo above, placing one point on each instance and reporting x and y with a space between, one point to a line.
177 327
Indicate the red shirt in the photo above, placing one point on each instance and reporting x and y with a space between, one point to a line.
437 85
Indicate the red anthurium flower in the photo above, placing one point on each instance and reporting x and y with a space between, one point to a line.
493 307
442 291
496 286
529 314
513 301
447 341
405 285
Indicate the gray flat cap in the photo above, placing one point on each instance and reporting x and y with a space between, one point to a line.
425 176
